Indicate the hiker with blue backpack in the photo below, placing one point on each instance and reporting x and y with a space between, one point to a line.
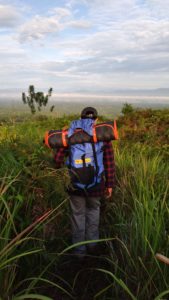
92 172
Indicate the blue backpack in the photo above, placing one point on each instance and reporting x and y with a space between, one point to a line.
85 161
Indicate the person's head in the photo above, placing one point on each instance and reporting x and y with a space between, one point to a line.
89 113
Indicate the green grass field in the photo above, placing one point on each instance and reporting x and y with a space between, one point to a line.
34 218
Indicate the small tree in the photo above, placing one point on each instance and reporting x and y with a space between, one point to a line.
35 101
127 109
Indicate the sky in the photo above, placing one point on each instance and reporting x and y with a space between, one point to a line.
84 46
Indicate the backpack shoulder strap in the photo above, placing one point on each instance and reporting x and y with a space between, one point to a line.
95 158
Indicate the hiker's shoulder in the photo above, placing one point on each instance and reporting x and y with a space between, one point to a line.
108 145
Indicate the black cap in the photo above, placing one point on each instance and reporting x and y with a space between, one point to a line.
89 113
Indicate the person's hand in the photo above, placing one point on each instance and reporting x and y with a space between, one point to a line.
108 193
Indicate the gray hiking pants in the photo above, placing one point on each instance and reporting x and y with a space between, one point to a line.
85 218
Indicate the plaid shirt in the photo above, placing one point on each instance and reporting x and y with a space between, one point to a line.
109 168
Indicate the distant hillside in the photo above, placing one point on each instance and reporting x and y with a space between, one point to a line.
108 107
157 92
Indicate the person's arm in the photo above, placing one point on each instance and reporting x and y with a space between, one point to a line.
59 157
109 165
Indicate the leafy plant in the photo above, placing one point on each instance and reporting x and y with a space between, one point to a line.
35 100
127 109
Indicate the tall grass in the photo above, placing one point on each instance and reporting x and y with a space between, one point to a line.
139 217
29 189
136 220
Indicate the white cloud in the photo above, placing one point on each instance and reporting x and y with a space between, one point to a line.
38 28
108 44
81 24
9 16
60 12
10 49
158 8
